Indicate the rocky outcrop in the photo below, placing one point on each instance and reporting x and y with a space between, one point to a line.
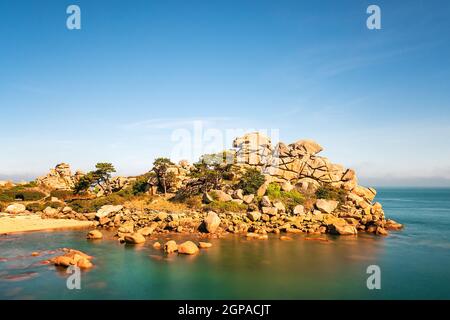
5 183
314 196
59 178
296 163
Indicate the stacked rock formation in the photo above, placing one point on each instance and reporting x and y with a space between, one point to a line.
60 178
298 165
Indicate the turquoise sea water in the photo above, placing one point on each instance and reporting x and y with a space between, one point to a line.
414 262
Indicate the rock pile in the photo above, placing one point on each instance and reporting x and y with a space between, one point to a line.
294 168
59 178
72 257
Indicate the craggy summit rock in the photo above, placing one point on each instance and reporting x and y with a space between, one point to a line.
60 178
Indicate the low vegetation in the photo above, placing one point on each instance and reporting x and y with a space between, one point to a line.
40 206
141 186
289 198
92 205
63 194
229 206
23 192
251 181
331 193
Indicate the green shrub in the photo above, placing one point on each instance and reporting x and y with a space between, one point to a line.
251 181
229 206
40 206
289 198
19 192
31 184
92 205
62 194
141 185
35 207
273 191
331 193
54 204
193 202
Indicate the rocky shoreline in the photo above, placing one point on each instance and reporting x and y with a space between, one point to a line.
263 189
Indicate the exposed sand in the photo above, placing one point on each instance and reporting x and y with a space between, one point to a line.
33 222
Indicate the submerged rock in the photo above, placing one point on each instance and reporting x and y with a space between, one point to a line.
157 245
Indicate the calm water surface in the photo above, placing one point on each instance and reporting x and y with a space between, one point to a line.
415 263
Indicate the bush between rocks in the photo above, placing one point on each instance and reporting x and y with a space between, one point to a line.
327 192
251 181
289 198
229 206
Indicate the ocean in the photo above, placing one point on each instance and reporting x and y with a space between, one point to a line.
414 263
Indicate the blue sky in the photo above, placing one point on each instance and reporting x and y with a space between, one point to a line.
377 100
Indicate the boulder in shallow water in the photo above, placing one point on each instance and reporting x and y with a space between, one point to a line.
94 234
188 247
135 238
72 258
170 246
381 231
392 225
204 245
157 245
344 230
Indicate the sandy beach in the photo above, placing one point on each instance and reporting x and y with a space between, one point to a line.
33 222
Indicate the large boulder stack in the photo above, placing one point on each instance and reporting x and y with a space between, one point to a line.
299 165
254 149
296 163
59 178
